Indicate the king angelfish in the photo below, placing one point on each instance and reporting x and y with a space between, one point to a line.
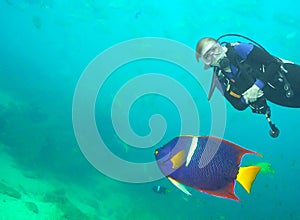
208 164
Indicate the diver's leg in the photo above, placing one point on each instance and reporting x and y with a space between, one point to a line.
293 77
279 95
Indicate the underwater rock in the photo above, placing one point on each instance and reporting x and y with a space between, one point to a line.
136 214
7 190
57 196
69 210
29 174
36 114
3 117
72 212
22 190
31 206
92 203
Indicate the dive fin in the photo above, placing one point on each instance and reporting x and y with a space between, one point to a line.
246 176
214 83
212 87
179 186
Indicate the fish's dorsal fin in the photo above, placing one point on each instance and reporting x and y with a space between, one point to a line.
246 176
191 150
179 186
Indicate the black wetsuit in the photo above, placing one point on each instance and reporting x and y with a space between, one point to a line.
250 65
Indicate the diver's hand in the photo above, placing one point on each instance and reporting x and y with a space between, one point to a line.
252 94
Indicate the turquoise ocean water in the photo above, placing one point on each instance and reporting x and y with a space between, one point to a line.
47 45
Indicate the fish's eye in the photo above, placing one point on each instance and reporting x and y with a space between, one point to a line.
156 152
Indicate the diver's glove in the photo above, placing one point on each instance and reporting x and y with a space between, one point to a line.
252 94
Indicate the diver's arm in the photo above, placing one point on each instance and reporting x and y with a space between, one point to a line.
237 103
264 67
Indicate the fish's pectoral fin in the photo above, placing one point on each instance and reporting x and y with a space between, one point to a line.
179 186
178 159
246 176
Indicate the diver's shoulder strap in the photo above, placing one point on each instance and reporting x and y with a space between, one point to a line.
226 83
233 56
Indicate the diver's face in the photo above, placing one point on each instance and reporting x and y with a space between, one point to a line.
211 53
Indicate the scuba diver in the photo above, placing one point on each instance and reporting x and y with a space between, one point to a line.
247 75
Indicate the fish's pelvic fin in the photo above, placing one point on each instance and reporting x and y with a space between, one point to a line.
179 186
246 176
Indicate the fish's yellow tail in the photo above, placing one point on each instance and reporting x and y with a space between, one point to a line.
246 176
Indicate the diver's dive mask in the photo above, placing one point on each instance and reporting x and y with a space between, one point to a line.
209 55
